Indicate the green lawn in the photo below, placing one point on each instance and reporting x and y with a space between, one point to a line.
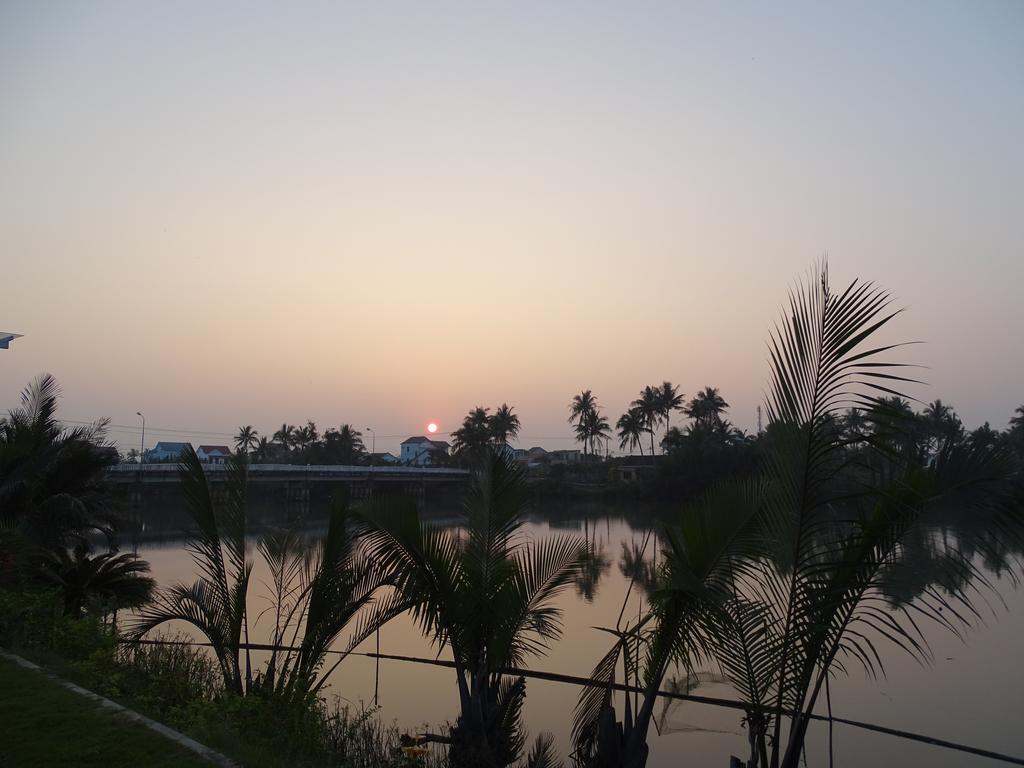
44 724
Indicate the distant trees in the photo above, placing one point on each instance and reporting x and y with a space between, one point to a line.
343 445
480 429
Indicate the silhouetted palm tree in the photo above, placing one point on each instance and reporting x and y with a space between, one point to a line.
592 430
107 582
707 407
247 439
504 425
470 440
52 480
669 399
649 404
784 577
263 449
631 430
1017 422
285 437
344 445
487 593
319 588
581 407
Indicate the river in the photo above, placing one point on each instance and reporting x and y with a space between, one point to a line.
972 693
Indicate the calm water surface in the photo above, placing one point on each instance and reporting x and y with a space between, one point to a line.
972 694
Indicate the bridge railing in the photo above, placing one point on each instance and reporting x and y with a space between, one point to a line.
296 469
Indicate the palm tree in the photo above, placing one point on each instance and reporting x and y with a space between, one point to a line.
649 404
319 589
941 425
487 593
669 399
263 448
52 480
1017 422
247 439
594 429
783 576
344 445
707 407
581 407
470 440
285 437
504 425
108 581
631 429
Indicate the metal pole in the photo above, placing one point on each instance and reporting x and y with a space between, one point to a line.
138 508
142 443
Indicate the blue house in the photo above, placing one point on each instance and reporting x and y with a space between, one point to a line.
166 452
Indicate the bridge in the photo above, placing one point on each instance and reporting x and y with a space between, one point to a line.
304 473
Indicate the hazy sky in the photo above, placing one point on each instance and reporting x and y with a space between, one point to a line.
384 213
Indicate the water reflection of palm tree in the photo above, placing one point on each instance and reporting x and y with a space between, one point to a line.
636 565
593 565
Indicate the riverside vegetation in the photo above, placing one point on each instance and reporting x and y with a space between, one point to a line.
849 521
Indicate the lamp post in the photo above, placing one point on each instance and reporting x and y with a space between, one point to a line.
142 443
373 444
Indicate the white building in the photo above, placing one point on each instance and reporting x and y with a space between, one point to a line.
421 451
213 454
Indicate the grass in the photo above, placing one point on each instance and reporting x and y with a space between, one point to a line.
47 725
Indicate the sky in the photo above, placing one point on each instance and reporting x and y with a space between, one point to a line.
388 213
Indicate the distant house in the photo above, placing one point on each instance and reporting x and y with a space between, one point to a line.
421 451
384 458
213 454
569 456
630 469
166 452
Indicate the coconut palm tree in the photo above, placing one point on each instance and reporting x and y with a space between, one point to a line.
319 589
486 593
471 439
504 425
649 404
669 399
941 426
52 479
247 439
706 407
784 577
594 429
263 449
1017 422
631 430
285 437
344 445
581 407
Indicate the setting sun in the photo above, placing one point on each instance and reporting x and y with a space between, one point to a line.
431 427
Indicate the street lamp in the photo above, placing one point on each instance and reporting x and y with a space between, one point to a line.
373 445
142 443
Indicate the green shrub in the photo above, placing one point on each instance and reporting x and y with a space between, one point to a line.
35 619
